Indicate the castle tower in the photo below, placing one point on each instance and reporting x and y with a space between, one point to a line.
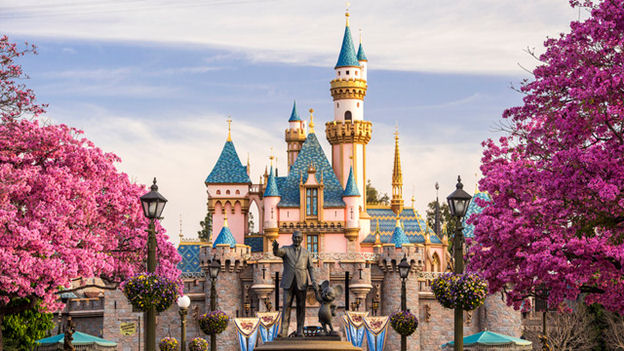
397 178
270 200
227 186
349 133
295 135
350 197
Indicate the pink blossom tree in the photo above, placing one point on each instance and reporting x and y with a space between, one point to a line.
556 219
65 210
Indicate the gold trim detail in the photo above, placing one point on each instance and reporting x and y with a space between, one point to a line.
339 132
348 89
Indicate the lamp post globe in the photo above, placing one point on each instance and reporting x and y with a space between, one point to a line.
153 203
458 202
184 301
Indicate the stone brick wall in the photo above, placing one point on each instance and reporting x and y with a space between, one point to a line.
500 318
118 310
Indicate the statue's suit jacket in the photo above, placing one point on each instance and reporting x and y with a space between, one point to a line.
295 267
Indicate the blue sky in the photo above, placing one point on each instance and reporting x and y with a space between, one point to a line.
154 83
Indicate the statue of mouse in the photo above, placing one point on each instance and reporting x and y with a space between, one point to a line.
326 296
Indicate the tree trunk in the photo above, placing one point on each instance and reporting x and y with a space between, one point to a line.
1 341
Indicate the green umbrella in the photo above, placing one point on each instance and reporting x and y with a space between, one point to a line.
488 338
79 339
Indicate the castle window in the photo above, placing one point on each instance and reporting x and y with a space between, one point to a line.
312 243
237 192
227 192
218 192
347 72
338 72
311 202
358 104
356 73
348 116
337 104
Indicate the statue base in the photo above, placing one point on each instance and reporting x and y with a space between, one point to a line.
314 343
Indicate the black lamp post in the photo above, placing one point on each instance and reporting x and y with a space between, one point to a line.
404 268
183 303
458 203
213 270
153 205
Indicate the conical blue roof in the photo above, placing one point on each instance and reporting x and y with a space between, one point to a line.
351 188
347 51
228 168
294 116
398 236
361 56
311 153
271 188
225 236
490 338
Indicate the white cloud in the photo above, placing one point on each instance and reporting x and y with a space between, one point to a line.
485 36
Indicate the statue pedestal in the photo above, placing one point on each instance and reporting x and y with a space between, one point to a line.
315 343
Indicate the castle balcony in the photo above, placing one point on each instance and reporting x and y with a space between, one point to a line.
256 189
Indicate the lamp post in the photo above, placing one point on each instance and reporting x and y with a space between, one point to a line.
404 268
153 204
183 302
458 202
213 270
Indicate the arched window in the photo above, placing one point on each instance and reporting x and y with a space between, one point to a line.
348 116
237 192
218 192
227 192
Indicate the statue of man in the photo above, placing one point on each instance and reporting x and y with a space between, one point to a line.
297 263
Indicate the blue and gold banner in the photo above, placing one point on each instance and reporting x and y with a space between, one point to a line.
269 325
247 329
355 327
376 330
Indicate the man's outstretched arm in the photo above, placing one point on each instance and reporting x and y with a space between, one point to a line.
277 251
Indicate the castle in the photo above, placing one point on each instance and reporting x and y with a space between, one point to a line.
354 242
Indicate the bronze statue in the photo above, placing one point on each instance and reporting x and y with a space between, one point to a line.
297 263
327 296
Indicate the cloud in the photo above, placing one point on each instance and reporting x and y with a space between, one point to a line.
484 36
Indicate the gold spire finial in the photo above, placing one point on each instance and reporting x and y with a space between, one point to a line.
360 35
476 183
377 235
397 177
225 223
311 120
181 235
229 122
347 12
271 157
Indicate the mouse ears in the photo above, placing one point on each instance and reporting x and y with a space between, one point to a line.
324 285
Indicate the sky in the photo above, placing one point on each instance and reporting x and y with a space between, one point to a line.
155 81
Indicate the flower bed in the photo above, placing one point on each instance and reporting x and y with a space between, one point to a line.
467 291
198 344
168 344
147 290
213 322
404 322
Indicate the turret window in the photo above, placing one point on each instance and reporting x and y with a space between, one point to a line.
311 202
347 72
348 116
356 73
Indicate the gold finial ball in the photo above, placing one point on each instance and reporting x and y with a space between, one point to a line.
311 110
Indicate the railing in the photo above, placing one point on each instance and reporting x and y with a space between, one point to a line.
255 188
192 275
87 304
425 279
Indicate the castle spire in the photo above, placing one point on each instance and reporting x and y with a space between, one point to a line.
229 122
397 178
311 125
